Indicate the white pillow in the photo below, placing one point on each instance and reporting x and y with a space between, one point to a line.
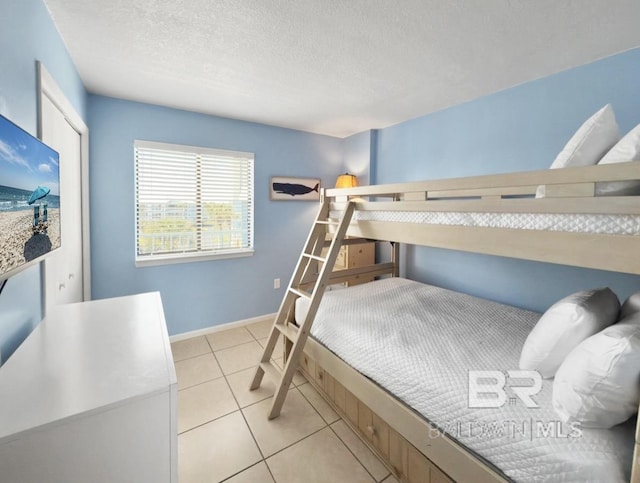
564 325
588 145
630 306
628 149
597 384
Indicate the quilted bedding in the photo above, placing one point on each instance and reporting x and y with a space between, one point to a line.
576 223
419 342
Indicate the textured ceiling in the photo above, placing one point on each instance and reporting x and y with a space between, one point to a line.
334 67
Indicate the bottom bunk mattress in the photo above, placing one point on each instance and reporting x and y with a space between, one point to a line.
419 343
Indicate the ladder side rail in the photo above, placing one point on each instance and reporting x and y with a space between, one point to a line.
289 299
291 364
327 269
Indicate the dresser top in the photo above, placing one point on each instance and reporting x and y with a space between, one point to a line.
83 358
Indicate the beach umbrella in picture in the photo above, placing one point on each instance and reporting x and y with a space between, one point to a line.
39 192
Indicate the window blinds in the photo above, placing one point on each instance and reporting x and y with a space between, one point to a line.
192 202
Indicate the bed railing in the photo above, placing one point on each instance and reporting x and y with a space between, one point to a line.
569 226
387 212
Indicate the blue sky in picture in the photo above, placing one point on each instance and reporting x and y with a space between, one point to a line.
25 162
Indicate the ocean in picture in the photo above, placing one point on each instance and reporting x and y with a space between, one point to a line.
15 199
29 199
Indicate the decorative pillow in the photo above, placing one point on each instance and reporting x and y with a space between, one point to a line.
628 149
591 141
597 384
564 325
630 306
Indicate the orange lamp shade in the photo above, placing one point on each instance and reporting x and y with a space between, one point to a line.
346 181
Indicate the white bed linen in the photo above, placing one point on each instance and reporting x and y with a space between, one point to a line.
419 342
575 223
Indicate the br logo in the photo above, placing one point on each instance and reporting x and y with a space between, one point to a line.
488 389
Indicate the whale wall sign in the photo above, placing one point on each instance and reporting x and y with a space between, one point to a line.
284 188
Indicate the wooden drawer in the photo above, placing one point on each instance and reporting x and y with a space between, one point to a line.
380 438
397 454
354 256
365 421
319 376
418 466
351 407
360 255
340 397
404 460
307 365
341 261
329 386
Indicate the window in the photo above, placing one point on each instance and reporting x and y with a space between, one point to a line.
192 203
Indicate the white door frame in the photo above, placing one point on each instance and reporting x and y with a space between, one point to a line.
48 87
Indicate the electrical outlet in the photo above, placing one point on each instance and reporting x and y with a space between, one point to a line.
276 283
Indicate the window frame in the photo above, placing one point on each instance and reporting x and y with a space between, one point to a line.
199 255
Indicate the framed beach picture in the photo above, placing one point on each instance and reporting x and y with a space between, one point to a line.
29 199
285 188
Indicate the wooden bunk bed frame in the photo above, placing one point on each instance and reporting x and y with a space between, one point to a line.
399 435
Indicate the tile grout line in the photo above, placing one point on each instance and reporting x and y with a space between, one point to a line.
191 357
333 406
240 409
329 425
204 382
257 445
255 441
354 455
251 431
201 383
241 414
314 408
212 350
289 445
294 443
209 421
247 468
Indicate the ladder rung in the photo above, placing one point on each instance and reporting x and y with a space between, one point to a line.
316 239
300 293
274 373
288 331
314 257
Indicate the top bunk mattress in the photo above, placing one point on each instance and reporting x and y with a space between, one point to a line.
604 224
419 343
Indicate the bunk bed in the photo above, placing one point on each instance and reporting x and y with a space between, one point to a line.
497 215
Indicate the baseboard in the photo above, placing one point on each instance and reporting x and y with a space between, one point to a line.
219 328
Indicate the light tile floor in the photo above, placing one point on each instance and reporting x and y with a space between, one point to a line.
224 434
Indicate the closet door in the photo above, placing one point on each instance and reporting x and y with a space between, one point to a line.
64 268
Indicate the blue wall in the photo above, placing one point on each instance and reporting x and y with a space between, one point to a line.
28 34
357 154
518 129
201 294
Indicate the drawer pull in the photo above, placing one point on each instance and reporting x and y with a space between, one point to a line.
371 430
320 375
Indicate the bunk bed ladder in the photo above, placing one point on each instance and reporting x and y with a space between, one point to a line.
304 274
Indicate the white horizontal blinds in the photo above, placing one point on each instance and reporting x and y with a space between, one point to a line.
226 202
192 200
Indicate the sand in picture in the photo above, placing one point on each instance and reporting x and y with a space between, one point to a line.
18 242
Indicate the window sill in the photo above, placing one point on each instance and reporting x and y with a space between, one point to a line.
157 260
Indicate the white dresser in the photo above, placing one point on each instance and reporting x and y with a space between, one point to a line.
91 396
